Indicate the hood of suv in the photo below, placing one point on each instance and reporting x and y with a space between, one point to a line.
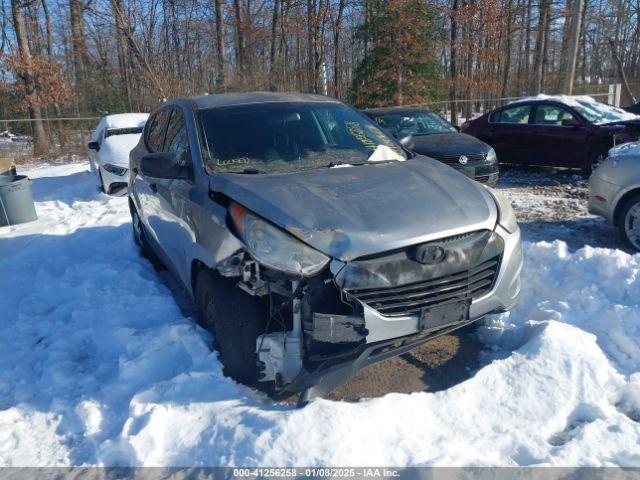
448 145
362 210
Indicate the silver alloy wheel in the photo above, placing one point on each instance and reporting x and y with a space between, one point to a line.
632 225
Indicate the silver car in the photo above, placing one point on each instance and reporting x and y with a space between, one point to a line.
614 191
313 243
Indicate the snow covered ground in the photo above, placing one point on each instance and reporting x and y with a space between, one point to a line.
99 365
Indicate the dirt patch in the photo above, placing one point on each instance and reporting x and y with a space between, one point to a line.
437 365
552 204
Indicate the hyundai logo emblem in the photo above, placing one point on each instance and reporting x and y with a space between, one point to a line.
463 159
429 254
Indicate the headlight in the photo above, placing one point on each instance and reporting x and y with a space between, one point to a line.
491 156
506 216
275 248
116 170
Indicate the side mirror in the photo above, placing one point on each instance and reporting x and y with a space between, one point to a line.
93 146
405 139
570 122
163 165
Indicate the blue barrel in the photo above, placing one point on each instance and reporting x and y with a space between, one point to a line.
16 201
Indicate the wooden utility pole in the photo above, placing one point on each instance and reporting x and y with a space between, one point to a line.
573 46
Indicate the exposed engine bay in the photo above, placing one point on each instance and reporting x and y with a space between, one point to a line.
323 319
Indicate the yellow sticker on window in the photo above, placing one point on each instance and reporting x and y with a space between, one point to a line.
234 161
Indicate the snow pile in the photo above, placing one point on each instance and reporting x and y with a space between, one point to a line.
116 149
98 365
119 120
626 149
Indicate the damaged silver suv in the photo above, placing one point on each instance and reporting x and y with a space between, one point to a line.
313 243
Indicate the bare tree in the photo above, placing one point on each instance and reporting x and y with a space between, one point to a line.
26 73
220 44
573 45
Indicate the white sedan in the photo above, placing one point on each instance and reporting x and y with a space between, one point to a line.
111 141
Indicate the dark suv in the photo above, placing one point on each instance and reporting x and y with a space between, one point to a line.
312 242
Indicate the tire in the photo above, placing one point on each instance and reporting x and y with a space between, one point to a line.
629 222
236 319
594 160
141 239
101 180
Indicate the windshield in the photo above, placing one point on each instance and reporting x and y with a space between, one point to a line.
414 122
122 131
597 112
274 137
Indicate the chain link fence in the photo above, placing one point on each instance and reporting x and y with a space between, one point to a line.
69 136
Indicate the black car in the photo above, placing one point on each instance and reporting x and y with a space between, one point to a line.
635 108
436 138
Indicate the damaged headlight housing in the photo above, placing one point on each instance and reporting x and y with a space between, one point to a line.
115 169
275 248
506 215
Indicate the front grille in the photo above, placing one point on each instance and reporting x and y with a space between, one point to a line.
456 158
413 297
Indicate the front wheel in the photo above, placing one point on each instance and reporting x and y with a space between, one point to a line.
101 182
236 319
594 160
142 240
630 222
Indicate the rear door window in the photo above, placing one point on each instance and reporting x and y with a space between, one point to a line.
176 139
516 114
157 127
551 115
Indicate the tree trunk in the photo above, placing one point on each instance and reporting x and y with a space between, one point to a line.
274 39
40 140
121 45
47 22
507 61
452 62
573 45
240 41
221 56
311 57
623 77
336 50
78 40
542 42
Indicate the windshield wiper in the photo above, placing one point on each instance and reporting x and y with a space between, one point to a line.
336 164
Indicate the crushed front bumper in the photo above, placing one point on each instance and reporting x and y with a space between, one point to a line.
388 333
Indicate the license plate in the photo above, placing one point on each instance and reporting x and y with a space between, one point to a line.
441 315
468 171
